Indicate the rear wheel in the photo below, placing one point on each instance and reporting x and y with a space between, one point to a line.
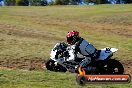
114 67
110 66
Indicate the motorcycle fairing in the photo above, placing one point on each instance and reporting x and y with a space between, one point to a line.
106 52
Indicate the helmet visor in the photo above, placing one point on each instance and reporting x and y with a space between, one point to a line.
69 40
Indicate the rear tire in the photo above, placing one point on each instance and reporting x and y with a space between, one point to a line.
110 66
115 67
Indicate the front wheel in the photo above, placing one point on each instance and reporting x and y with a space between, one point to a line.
50 64
59 68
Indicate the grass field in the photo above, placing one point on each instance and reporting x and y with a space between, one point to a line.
27 35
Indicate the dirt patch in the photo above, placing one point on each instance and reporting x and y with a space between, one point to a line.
26 64
37 63
127 66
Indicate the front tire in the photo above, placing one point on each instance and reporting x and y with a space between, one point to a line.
50 64
60 68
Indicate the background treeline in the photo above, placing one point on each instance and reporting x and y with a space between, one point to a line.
26 2
55 2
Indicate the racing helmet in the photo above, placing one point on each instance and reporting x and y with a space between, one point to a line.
72 37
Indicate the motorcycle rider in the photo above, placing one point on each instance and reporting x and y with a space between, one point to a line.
82 46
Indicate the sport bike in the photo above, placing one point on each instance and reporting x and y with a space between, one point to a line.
104 64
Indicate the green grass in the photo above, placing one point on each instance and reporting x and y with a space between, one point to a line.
46 79
32 32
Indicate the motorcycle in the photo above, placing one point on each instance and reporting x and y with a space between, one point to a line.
104 64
